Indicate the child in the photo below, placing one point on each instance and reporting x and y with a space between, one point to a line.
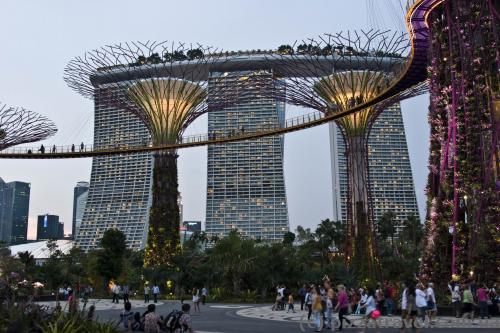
290 304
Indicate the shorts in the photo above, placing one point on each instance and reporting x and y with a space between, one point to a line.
431 306
467 307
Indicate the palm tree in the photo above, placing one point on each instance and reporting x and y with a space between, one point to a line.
387 227
235 256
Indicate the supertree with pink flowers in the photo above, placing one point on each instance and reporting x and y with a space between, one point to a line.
463 191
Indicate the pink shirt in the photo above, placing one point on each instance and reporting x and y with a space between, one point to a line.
343 301
482 296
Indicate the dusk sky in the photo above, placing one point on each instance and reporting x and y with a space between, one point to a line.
38 39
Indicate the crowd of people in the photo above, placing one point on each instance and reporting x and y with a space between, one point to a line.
415 300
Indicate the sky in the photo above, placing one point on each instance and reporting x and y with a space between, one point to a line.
38 38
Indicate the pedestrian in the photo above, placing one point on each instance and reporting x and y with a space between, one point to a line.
204 294
302 295
42 149
379 295
309 303
156 291
116 293
73 148
72 302
317 309
431 302
281 292
151 320
342 305
185 321
404 304
196 300
482 299
290 303
126 316
389 297
420 300
323 295
456 298
362 301
410 307
53 149
126 293
468 303
146 293
330 296
371 307
82 146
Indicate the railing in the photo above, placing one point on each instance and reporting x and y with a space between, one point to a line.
88 149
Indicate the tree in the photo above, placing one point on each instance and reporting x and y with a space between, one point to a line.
234 256
387 227
413 233
194 54
110 257
288 238
285 49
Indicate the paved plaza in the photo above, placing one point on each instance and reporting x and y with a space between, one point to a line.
253 318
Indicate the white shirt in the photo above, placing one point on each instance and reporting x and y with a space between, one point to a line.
420 299
364 298
281 291
204 291
430 295
404 299
156 290
370 305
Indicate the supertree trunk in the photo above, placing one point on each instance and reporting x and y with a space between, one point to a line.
163 232
360 247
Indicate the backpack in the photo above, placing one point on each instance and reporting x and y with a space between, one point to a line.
173 320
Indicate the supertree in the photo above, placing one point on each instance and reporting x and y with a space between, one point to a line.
166 86
462 224
333 74
18 125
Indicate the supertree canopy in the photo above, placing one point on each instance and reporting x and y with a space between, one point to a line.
18 125
463 191
165 85
369 61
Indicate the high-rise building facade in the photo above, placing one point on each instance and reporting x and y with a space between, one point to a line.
245 181
120 185
14 210
80 194
49 227
390 175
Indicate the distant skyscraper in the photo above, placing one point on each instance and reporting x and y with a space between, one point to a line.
245 182
119 192
390 175
14 209
49 227
192 226
80 194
